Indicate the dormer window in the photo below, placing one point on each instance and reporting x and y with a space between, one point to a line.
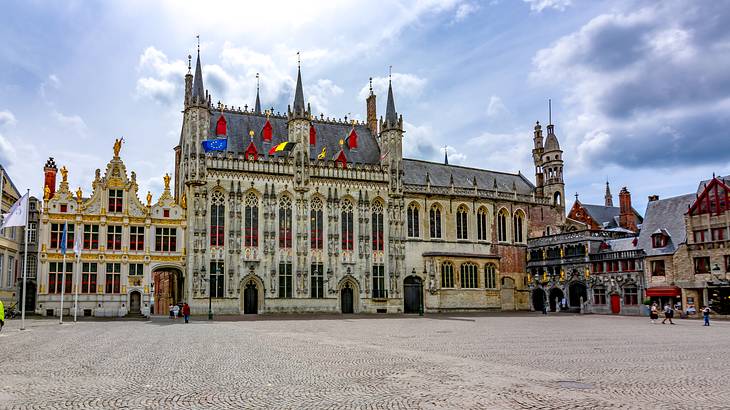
659 240
165 213
115 200
64 208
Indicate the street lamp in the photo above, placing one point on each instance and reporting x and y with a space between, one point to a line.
210 288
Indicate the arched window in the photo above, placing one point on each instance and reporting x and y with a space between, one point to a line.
377 224
413 222
435 222
490 276
482 220
348 231
469 275
315 224
447 275
285 222
461 222
557 200
217 219
517 226
502 218
251 221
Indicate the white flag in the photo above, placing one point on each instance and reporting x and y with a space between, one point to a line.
17 214
77 245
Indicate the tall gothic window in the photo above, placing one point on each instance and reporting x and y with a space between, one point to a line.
517 226
434 219
482 219
413 223
285 280
469 275
379 290
317 285
217 219
447 275
217 279
348 234
251 221
461 223
377 224
316 223
490 276
285 222
502 218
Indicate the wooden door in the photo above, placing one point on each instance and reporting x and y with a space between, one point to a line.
615 304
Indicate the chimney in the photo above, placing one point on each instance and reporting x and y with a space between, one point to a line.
50 171
372 117
627 219
653 198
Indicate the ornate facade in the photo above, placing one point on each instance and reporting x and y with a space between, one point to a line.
342 222
131 253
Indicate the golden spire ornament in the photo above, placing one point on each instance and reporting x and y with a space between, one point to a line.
64 174
149 198
166 178
118 146
79 194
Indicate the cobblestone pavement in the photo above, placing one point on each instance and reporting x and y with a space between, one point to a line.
517 361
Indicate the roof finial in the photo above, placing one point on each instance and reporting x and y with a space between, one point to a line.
257 82
446 155
190 63
390 73
198 37
371 85
299 60
550 111
576 196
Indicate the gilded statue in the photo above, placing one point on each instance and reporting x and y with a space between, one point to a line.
64 174
46 193
79 194
562 275
167 181
184 202
118 146
149 198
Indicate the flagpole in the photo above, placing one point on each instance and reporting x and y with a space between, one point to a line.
76 293
63 287
25 264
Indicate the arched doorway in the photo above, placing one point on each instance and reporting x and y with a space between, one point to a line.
251 298
135 302
168 286
576 291
412 295
347 299
556 296
508 293
538 299
615 303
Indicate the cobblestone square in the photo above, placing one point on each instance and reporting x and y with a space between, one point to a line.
498 361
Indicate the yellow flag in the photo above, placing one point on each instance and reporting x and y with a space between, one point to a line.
322 154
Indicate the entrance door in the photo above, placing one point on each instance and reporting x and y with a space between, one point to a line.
251 299
135 300
412 300
615 304
576 291
346 299
556 297
538 299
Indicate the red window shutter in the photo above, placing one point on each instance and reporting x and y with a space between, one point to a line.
220 126
352 139
267 132
312 135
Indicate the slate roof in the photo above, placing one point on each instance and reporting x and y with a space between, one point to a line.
701 186
622 244
238 125
440 175
608 216
667 214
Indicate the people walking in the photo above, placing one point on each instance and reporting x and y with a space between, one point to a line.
186 312
668 314
2 315
654 313
169 308
175 311
706 315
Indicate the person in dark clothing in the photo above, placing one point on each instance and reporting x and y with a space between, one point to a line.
706 315
668 314
186 312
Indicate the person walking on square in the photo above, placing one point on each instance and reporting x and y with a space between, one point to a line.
668 314
706 315
169 308
186 312
175 311
2 315
654 314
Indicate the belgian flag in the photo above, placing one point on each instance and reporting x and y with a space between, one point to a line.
283 147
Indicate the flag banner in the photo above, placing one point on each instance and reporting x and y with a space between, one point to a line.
17 214
63 238
323 154
283 147
215 145
77 245
385 154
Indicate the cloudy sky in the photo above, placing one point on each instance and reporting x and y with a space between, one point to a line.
640 90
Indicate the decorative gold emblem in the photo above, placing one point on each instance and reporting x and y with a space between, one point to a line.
149 198
184 201
64 174
166 178
46 193
79 194
118 146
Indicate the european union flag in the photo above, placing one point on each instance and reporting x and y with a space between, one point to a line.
218 144
64 235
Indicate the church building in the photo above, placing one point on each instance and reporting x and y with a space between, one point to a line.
299 212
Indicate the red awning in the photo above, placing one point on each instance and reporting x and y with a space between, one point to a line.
671 291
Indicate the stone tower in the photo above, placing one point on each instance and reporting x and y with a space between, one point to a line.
372 117
49 172
537 151
298 124
391 143
552 169
608 197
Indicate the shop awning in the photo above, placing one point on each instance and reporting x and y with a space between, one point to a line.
670 291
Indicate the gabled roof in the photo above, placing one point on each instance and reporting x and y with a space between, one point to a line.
608 216
665 215
703 184
328 135
622 244
415 172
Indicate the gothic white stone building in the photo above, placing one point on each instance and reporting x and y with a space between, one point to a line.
342 222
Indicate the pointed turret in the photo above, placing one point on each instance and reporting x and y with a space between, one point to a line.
257 106
608 197
446 155
198 89
298 109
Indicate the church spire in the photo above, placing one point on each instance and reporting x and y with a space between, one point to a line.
391 117
299 93
198 89
446 155
608 197
257 107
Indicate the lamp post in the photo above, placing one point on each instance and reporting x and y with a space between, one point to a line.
210 288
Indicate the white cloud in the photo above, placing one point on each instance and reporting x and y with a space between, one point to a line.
540 5
320 93
161 91
7 152
404 85
72 122
421 142
464 10
508 152
496 107
6 118
52 82
163 79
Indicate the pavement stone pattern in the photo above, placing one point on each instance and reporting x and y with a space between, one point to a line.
457 361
